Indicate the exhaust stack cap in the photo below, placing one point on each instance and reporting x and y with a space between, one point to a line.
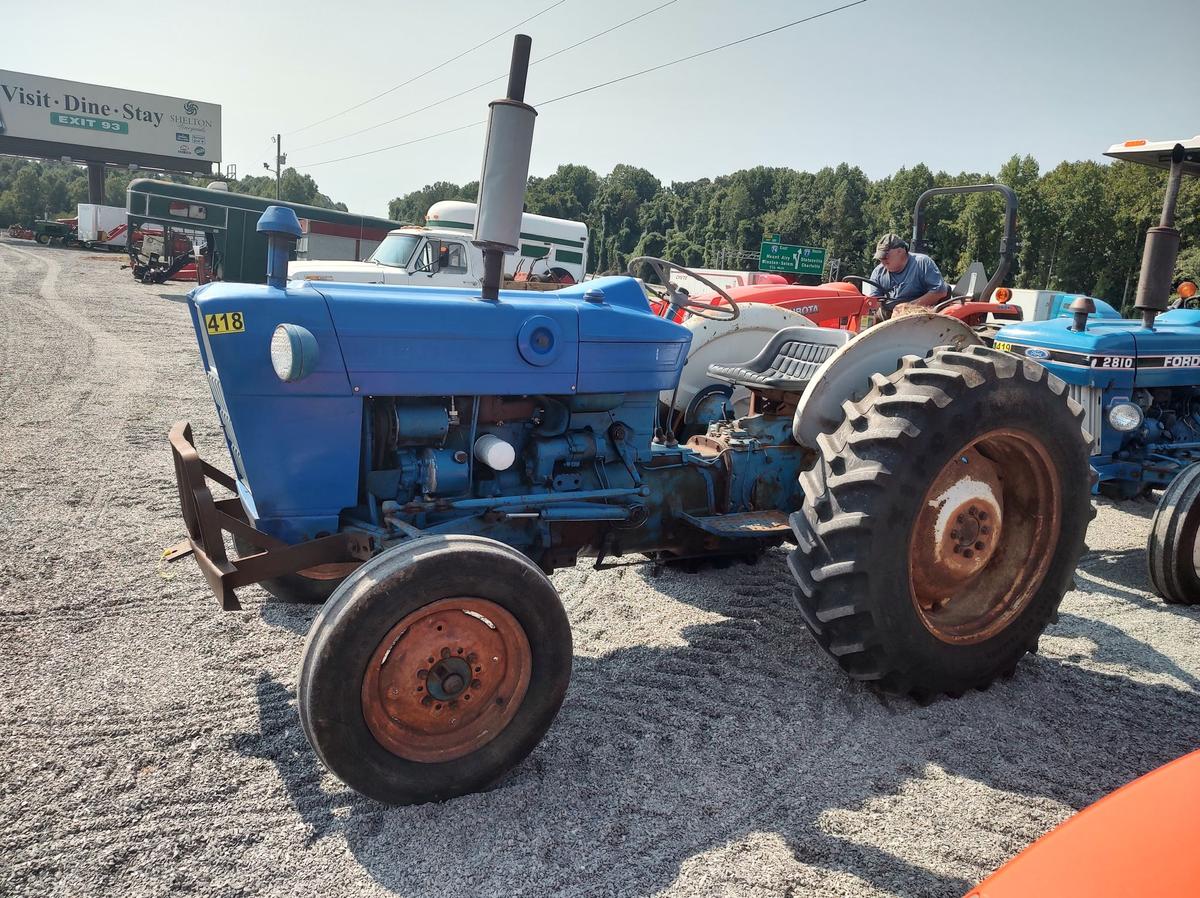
1081 307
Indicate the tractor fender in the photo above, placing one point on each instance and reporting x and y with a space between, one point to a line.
846 375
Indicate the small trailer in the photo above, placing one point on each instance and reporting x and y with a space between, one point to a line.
102 227
222 225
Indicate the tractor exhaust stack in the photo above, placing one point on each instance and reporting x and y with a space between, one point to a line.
1162 249
506 152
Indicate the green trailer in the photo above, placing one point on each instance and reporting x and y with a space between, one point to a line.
223 225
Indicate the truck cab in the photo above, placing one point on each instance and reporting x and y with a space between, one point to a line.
553 251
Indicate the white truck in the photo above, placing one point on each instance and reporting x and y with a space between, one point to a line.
553 253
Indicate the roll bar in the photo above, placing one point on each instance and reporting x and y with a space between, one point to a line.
1008 240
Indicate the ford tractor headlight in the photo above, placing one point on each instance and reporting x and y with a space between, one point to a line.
293 352
1124 416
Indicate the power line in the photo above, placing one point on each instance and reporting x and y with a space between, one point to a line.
585 90
664 65
483 84
440 65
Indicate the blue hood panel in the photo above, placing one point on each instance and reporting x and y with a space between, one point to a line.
423 341
1117 353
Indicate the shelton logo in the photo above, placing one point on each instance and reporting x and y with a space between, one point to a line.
1036 353
190 108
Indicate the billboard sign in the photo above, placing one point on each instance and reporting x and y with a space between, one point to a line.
106 123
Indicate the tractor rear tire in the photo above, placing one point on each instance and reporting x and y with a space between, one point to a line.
435 669
295 588
1172 549
43 239
942 522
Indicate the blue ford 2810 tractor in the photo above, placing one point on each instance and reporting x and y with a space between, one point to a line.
420 458
1137 380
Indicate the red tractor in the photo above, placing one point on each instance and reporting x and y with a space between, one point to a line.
732 324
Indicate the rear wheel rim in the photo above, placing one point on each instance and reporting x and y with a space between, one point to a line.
446 680
984 536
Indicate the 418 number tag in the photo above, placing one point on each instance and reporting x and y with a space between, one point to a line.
224 323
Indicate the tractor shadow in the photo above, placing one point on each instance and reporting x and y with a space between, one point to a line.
745 739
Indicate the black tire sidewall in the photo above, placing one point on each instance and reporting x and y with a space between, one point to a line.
1170 548
371 602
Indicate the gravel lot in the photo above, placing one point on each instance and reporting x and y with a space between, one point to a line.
706 747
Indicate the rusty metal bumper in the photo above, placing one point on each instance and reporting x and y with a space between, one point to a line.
208 519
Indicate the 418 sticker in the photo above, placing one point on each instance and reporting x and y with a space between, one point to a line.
224 323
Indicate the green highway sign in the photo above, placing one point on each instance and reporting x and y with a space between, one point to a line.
776 256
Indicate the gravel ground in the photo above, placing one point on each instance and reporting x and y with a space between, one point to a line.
706 746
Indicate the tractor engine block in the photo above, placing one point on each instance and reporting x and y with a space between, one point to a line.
568 475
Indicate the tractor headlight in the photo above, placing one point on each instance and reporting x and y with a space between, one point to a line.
293 352
1124 416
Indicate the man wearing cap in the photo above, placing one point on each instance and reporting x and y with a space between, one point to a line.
905 277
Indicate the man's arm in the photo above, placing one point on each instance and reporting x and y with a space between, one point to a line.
933 297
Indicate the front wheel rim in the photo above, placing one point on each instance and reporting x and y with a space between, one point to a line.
984 536
446 680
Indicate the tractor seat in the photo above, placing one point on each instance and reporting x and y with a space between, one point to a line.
787 362
971 284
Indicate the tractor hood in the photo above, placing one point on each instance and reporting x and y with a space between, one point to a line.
1110 352
422 341
378 340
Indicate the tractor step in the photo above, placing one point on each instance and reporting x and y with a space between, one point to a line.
747 525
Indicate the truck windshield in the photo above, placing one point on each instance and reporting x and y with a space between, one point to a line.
395 250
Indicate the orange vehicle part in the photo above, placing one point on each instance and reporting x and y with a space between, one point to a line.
1139 840
841 306
836 305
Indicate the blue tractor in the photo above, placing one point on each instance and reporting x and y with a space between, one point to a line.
420 458
1138 381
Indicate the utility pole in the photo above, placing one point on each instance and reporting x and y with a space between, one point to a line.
280 158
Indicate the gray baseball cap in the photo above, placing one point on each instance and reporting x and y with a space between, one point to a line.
889 241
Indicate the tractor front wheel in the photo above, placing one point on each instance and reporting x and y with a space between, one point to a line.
434 669
1173 551
942 522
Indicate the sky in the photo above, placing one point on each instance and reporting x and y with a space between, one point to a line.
960 85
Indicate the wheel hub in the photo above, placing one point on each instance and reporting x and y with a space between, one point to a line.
446 679
983 536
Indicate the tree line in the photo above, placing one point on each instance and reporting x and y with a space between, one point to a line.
1081 225
30 189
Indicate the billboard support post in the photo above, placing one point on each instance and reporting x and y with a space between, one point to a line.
95 175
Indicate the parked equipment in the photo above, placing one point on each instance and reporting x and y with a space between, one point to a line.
102 227
62 231
976 299
225 223
1173 548
1137 380
423 456
552 252
1138 840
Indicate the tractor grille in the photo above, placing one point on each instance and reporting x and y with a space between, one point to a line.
1092 400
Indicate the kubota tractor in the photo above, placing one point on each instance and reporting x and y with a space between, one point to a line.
728 324
420 458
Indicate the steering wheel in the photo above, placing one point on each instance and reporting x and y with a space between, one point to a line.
678 298
860 281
